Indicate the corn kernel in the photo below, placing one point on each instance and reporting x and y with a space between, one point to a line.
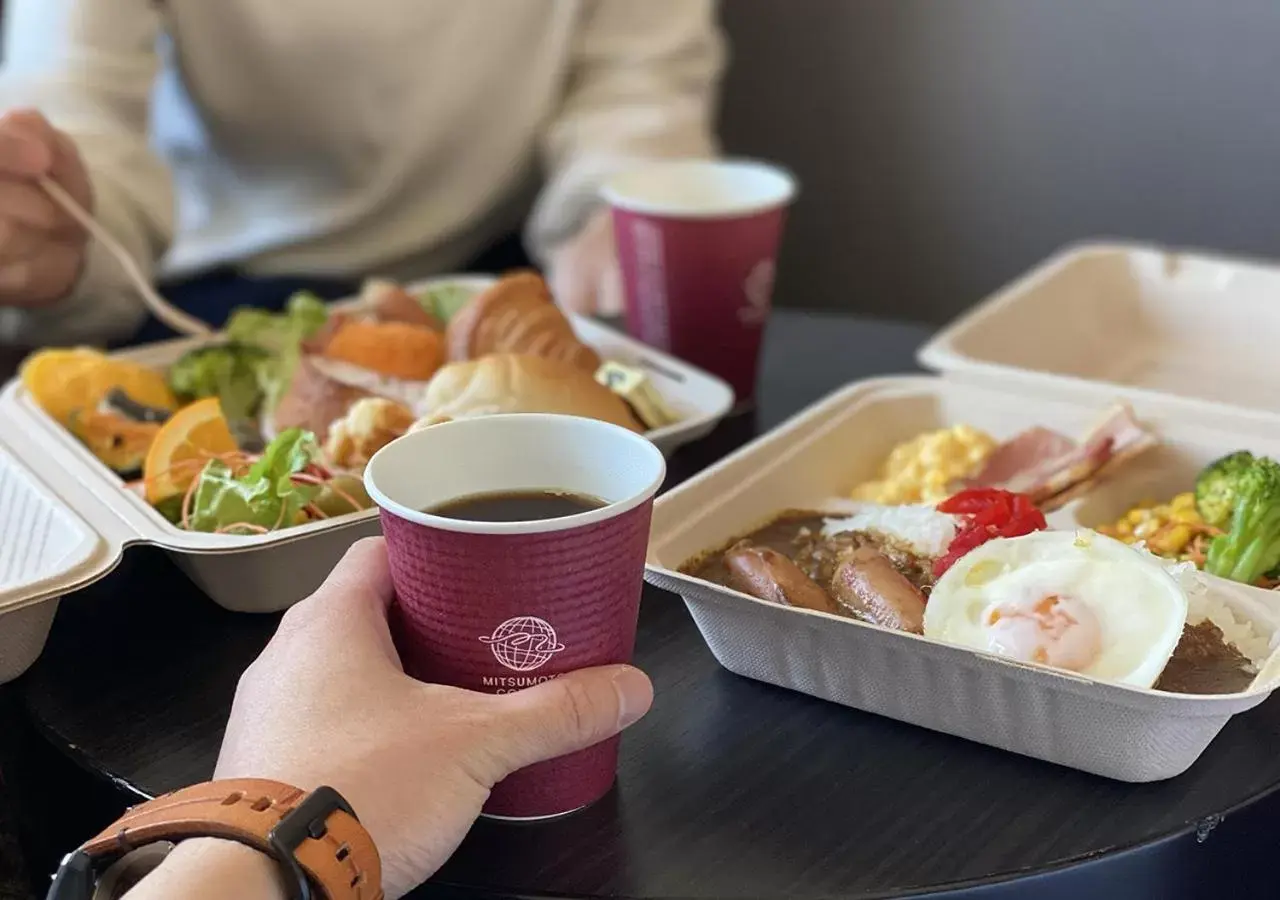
1136 516
1176 539
1184 501
1186 517
1146 529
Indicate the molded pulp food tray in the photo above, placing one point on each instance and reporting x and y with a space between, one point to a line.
65 518
1119 732
1110 730
1157 322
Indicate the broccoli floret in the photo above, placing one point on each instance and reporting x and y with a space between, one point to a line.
1251 547
226 371
1219 485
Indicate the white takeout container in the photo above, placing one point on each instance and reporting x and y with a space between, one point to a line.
66 519
1050 350
1156 322
1119 732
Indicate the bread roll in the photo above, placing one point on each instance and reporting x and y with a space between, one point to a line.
519 383
517 314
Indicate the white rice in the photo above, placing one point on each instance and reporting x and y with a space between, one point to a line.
1205 602
920 526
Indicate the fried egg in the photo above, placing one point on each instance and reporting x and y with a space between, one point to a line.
1071 600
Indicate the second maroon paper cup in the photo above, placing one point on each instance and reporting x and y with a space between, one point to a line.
698 245
501 606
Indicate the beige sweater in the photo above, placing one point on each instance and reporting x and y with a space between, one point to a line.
346 138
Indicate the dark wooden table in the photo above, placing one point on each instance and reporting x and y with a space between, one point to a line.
729 788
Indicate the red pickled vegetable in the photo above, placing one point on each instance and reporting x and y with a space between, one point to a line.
986 513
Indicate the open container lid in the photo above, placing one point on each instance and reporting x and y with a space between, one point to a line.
1131 320
46 547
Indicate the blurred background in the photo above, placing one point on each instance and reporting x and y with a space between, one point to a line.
944 148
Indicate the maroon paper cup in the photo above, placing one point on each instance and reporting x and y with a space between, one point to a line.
501 606
698 244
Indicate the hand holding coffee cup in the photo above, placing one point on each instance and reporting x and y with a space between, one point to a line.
517 547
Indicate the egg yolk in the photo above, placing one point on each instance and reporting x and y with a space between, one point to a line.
1051 630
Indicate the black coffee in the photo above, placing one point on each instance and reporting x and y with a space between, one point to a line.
516 506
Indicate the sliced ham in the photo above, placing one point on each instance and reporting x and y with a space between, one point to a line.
1052 469
389 302
375 384
319 341
313 401
1020 458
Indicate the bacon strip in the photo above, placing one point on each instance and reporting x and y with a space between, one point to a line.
1052 469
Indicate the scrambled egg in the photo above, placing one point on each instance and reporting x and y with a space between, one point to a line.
927 468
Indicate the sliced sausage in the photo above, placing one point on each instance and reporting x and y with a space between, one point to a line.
769 575
869 587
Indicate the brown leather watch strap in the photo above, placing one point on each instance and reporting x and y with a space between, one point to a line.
343 862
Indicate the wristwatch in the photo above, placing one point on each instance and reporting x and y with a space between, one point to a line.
316 838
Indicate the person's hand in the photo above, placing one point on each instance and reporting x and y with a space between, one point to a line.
584 272
42 249
327 702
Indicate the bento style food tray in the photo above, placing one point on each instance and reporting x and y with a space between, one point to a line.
66 517
1092 629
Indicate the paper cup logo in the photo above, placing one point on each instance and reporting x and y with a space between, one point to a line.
758 289
524 644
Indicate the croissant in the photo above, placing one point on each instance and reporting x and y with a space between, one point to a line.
514 383
517 315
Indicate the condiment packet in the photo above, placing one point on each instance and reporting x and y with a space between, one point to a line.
634 386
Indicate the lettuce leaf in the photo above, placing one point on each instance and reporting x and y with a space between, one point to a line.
266 495
281 336
226 371
444 301
303 316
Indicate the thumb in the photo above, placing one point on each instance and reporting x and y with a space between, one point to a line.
568 713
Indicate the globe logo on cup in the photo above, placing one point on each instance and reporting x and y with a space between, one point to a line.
524 643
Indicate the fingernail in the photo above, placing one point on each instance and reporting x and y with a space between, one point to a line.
635 695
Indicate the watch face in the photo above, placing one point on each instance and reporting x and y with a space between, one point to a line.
129 869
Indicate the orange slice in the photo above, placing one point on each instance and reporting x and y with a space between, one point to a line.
186 441
56 379
141 383
65 382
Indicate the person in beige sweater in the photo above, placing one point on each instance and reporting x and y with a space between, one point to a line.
243 149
